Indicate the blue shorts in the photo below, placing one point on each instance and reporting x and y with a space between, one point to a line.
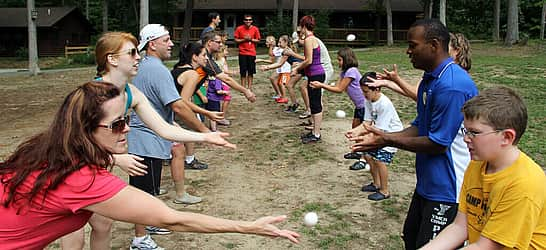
381 155
359 113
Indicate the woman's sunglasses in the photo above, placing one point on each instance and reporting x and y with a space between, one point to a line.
131 52
118 125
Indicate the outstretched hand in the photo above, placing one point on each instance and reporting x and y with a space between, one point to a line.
250 96
218 138
215 116
264 226
367 138
130 164
389 75
315 84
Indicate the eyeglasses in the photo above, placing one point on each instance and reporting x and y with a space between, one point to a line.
248 19
117 126
131 52
474 134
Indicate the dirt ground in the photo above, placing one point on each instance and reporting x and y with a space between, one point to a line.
270 172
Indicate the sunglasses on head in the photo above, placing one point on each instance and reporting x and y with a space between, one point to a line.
131 52
117 126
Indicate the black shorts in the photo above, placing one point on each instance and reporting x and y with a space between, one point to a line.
425 220
359 113
247 64
213 106
315 95
151 181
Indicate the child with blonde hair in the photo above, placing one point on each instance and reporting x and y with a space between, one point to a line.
282 66
270 42
220 58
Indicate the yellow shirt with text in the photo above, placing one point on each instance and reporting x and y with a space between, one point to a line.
509 206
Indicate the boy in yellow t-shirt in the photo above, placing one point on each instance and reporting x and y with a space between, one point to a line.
503 197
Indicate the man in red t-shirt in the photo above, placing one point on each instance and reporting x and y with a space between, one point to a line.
247 36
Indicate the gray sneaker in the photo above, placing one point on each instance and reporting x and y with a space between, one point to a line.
146 244
187 199
195 165
157 230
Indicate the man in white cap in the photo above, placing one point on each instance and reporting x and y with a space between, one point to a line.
157 84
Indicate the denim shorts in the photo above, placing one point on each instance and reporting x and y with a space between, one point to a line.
381 155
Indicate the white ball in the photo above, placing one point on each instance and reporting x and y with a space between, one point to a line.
351 37
340 113
310 219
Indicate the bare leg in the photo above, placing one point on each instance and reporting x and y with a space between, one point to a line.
305 95
317 121
74 240
250 78
273 79
383 176
291 83
373 171
177 169
101 235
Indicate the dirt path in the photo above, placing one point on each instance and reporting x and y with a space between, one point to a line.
270 172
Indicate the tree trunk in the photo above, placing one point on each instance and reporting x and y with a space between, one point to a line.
295 15
542 20
443 12
104 15
512 33
186 32
279 9
32 40
429 6
87 9
143 13
496 21
388 9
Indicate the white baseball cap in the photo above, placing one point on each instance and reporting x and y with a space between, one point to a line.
151 32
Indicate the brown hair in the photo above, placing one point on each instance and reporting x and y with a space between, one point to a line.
110 43
500 108
64 147
459 42
349 58
308 22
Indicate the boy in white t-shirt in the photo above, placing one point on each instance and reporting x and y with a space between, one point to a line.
380 113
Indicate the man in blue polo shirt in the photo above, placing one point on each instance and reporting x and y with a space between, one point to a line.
444 89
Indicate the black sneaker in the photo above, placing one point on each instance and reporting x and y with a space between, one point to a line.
305 135
311 138
353 155
195 165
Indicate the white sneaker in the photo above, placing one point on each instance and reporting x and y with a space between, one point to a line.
157 230
146 244
187 199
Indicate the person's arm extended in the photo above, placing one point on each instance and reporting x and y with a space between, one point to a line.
308 56
340 86
407 139
275 65
400 85
452 236
134 206
156 123
234 85
188 80
289 52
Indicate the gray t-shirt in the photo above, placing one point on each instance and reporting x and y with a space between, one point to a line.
156 83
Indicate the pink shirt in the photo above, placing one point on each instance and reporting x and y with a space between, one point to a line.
60 213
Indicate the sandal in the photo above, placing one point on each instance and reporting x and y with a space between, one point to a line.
353 155
359 165
370 188
306 123
377 196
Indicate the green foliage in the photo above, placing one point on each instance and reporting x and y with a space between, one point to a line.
322 20
88 59
21 53
275 26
